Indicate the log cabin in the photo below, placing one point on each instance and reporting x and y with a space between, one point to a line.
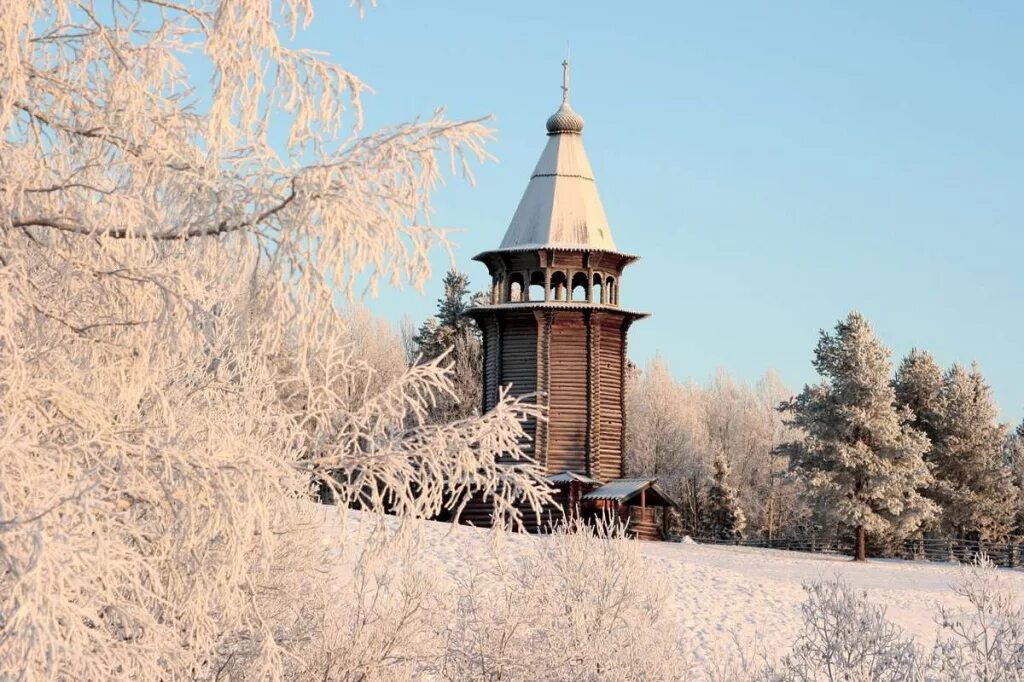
553 329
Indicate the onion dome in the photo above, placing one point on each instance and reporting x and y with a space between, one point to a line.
565 120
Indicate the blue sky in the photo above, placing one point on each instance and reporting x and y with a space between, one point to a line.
775 164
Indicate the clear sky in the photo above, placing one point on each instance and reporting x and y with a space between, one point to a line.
774 164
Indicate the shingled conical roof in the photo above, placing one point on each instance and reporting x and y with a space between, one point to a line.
560 207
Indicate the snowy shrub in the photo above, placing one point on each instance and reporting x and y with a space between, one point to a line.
846 637
984 641
734 659
375 615
581 604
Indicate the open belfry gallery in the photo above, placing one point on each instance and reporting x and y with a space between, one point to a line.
553 328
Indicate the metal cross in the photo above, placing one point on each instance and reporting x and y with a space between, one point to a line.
565 81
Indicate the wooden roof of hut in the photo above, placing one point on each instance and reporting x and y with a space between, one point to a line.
626 490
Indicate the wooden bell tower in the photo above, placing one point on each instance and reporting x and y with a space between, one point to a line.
553 326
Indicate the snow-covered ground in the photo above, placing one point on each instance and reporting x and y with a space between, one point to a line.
756 593
719 593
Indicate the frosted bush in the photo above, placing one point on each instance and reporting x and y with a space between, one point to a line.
846 637
984 641
580 605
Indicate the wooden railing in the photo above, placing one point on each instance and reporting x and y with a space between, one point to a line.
641 522
1009 555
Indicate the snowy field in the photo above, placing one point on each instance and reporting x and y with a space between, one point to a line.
756 593
720 595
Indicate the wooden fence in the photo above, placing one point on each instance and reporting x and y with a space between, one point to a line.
1009 555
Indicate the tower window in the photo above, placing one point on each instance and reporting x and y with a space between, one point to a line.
515 287
597 292
536 291
579 286
559 286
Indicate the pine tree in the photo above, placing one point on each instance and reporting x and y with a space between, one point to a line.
861 457
1014 458
437 334
918 386
973 485
724 519
450 331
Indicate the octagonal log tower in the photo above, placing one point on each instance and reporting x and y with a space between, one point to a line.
553 328
565 345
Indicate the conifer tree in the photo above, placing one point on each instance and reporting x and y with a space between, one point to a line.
724 519
918 386
973 485
450 331
1014 458
861 456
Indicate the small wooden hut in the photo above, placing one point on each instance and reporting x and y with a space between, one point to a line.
554 328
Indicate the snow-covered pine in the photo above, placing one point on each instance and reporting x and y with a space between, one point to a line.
861 457
723 517
177 376
973 485
918 385
1014 458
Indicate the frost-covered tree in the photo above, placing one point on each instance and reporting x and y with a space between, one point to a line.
177 375
769 498
457 338
861 456
665 437
973 486
918 386
676 429
723 517
1014 458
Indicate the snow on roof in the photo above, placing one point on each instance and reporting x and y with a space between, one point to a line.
560 206
565 305
624 489
569 477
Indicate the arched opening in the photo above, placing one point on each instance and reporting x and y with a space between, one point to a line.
559 286
611 293
579 286
536 290
597 291
515 287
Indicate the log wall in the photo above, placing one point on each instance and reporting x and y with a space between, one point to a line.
492 360
609 401
569 385
518 362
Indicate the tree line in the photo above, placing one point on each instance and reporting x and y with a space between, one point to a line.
866 454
